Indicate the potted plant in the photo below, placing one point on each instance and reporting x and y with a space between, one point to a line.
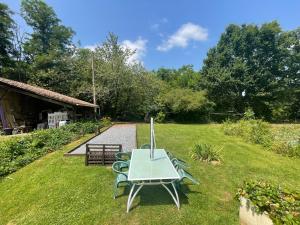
262 203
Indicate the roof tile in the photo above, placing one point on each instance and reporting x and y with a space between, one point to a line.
46 93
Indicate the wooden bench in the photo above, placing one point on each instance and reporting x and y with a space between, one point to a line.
101 153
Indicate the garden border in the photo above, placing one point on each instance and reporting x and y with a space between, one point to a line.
105 129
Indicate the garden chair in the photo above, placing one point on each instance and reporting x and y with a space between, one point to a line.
145 146
124 157
122 176
182 173
180 161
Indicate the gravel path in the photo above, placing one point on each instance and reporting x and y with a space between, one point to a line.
124 134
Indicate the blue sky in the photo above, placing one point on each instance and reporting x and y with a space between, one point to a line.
165 33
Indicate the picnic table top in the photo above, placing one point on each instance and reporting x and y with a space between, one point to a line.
143 168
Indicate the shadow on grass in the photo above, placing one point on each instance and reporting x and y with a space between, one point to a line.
158 195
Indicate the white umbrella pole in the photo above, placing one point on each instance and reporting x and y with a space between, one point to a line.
151 139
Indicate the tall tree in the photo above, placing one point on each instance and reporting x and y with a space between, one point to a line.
6 39
287 101
184 77
123 90
49 47
248 67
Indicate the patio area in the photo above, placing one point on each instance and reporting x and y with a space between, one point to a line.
150 166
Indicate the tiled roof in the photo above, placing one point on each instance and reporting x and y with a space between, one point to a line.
45 93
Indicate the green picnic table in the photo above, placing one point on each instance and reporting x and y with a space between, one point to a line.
156 171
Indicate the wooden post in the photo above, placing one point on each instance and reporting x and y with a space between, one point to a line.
94 89
103 155
86 154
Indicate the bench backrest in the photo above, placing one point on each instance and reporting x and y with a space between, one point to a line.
101 153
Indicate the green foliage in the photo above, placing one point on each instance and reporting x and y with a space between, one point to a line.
18 152
249 114
6 38
254 66
206 152
251 66
48 34
254 131
49 48
87 127
259 132
280 112
184 77
105 122
281 205
124 89
284 140
230 128
185 104
160 117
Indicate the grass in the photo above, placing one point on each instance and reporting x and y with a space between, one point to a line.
61 190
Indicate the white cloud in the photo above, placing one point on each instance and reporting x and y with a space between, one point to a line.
138 47
181 38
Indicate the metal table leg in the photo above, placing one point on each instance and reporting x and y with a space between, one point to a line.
132 195
175 198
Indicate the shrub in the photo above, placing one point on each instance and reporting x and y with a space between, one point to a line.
20 151
231 128
254 131
284 148
249 114
286 141
185 104
105 121
259 132
282 205
160 117
283 140
206 152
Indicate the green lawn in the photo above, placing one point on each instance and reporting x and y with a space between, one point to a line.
62 190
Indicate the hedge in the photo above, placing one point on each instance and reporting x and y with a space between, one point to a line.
20 151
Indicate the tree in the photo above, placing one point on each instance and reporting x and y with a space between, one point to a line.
123 90
188 78
248 68
49 47
287 101
20 66
167 75
184 77
6 39
185 104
